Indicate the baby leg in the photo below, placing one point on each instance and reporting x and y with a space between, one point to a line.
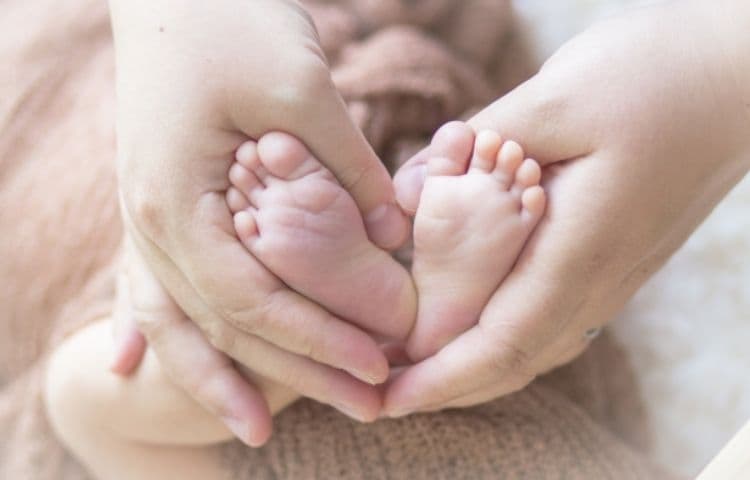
124 428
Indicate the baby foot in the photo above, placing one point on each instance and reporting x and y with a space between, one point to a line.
469 229
291 213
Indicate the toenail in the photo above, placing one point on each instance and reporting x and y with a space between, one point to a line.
350 413
238 427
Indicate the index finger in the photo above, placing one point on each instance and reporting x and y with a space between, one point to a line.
246 295
207 374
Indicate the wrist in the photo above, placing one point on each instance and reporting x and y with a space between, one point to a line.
729 21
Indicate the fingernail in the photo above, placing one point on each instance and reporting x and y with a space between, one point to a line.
409 187
373 379
128 353
239 428
387 226
398 413
350 413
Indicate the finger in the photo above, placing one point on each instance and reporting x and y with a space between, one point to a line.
328 385
212 379
479 397
130 344
340 145
331 386
469 364
227 285
542 116
531 310
562 352
191 362
360 171
569 345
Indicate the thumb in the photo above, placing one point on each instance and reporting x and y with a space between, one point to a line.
543 115
318 116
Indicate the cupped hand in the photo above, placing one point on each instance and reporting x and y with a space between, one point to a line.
243 400
194 80
641 123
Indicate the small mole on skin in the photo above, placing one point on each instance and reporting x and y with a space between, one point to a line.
161 29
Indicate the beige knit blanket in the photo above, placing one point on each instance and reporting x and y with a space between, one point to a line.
404 67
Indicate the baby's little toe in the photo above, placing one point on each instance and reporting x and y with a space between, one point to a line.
533 201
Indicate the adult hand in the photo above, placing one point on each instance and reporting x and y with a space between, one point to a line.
195 79
231 394
642 123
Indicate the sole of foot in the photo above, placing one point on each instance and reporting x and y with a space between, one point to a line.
477 208
291 213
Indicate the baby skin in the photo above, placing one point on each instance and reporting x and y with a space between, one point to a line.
475 208
473 218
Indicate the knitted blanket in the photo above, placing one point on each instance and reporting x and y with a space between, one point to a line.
404 68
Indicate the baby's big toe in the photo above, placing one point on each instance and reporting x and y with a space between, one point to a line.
286 157
447 154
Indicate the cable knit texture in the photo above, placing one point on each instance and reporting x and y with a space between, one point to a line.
404 67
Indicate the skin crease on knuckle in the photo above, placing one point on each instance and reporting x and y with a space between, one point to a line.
506 356
302 83
221 336
145 210
152 325
261 314
210 387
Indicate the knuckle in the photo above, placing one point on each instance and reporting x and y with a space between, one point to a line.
220 336
150 323
296 380
146 211
306 78
508 356
353 177
208 387
308 349
254 319
443 392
